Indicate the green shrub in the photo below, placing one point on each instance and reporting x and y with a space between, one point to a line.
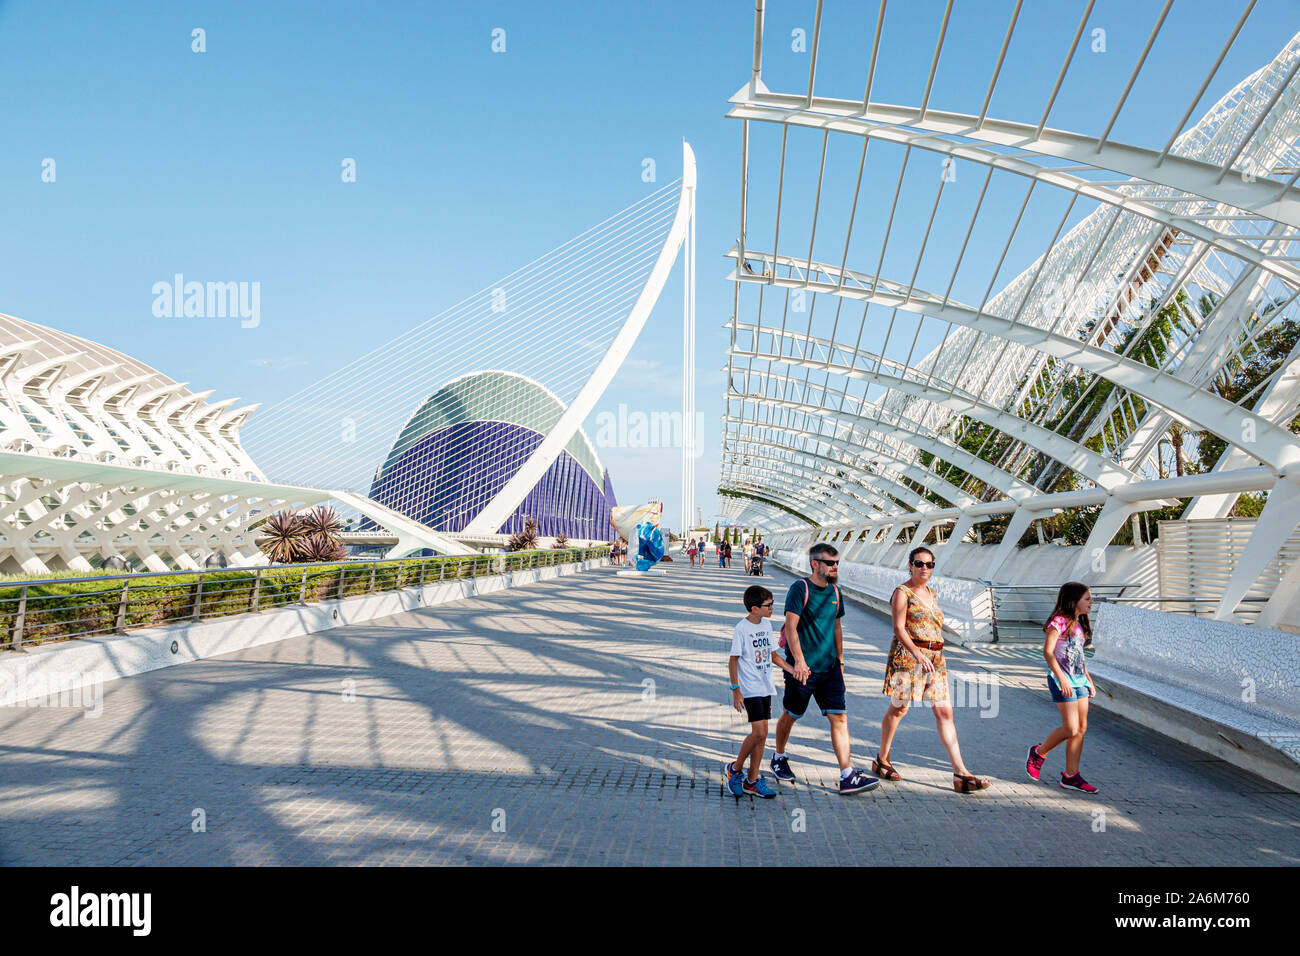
60 609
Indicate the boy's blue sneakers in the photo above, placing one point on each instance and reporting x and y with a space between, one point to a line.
781 768
857 781
735 779
759 788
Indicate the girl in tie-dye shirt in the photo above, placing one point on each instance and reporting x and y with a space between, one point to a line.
1070 684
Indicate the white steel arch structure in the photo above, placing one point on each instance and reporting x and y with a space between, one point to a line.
103 457
567 320
1159 279
680 233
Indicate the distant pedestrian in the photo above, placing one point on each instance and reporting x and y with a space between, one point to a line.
916 671
691 551
1068 631
722 557
748 551
750 667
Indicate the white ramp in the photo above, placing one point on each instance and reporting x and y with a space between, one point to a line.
411 535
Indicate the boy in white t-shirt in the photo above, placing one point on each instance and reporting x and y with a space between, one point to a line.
751 690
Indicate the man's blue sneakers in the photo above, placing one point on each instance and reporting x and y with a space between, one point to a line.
856 782
735 779
781 768
759 788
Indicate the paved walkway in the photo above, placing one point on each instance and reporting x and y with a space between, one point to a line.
582 721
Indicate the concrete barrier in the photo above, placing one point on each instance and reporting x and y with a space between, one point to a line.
966 605
73 667
1227 689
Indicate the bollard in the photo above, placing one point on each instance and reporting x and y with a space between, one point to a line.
120 626
19 619
198 599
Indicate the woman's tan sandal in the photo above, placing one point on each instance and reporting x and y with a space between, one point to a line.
884 769
968 783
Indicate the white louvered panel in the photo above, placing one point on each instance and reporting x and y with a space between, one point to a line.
1197 558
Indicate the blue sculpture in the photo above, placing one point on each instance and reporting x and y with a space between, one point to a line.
649 545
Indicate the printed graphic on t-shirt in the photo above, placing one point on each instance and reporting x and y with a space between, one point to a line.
1069 646
751 644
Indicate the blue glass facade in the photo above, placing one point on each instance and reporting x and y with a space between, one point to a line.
446 477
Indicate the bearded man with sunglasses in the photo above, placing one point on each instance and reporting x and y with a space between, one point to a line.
813 639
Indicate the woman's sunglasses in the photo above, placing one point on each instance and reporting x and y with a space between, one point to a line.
923 564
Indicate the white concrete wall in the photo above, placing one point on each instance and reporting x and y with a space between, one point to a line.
1247 668
1042 564
70 665
1228 690
967 613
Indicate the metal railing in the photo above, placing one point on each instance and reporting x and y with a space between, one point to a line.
32 612
1020 610
1247 608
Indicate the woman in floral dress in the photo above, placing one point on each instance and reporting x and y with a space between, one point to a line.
917 671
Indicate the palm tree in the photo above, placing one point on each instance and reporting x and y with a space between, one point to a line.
318 548
525 540
283 538
321 522
1176 435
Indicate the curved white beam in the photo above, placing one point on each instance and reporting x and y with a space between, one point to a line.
1261 195
1272 444
851 482
503 504
898 467
876 481
1077 457
816 516
877 449
1008 484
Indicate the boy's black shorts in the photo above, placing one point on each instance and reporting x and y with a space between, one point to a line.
758 708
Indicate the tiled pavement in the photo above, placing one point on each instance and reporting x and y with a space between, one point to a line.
582 720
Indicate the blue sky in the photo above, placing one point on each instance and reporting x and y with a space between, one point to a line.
226 165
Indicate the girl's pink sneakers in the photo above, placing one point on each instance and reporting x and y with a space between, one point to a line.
1076 783
1034 765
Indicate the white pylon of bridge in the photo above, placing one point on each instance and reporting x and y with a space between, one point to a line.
680 233
688 364
567 320
1056 392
